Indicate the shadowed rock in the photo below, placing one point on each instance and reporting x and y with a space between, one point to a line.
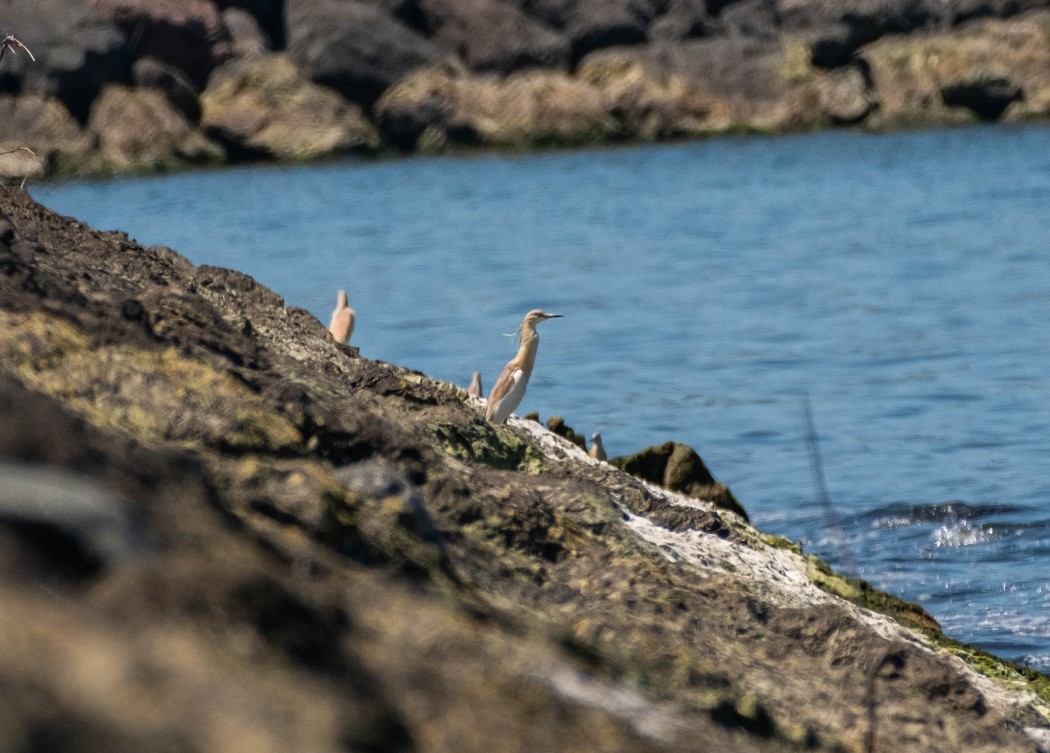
247 37
839 29
67 524
353 47
557 425
149 73
682 19
988 98
594 24
489 35
78 51
188 34
678 467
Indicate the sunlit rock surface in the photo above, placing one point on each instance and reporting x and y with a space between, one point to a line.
223 531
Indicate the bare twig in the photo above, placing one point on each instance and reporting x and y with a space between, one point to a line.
10 42
822 489
13 43
20 149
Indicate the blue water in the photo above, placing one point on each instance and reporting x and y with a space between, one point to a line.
901 281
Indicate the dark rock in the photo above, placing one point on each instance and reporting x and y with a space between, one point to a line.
727 66
594 24
965 10
150 73
67 524
355 48
404 120
385 482
834 46
268 13
988 98
837 30
683 19
247 38
715 7
752 18
557 425
78 50
868 19
489 35
678 467
188 34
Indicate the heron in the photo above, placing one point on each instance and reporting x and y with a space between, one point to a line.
597 450
509 389
474 390
343 318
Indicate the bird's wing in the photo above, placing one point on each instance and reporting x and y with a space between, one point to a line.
342 325
506 393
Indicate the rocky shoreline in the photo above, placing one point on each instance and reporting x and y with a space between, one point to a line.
137 85
223 531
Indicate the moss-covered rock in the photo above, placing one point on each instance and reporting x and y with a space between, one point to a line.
484 443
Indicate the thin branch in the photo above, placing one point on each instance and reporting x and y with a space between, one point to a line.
21 149
13 43
10 42
817 463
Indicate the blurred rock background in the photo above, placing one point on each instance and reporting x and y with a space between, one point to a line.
137 85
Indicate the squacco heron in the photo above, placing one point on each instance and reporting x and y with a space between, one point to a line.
509 389
343 317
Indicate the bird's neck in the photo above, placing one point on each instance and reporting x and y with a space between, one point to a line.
526 357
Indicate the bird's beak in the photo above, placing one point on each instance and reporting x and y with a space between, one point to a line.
552 316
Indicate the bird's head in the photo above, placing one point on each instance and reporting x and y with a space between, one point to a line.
538 315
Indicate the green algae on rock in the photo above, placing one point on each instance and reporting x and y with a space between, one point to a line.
484 443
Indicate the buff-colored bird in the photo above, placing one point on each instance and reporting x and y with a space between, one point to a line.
509 389
597 450
343 318
474 390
